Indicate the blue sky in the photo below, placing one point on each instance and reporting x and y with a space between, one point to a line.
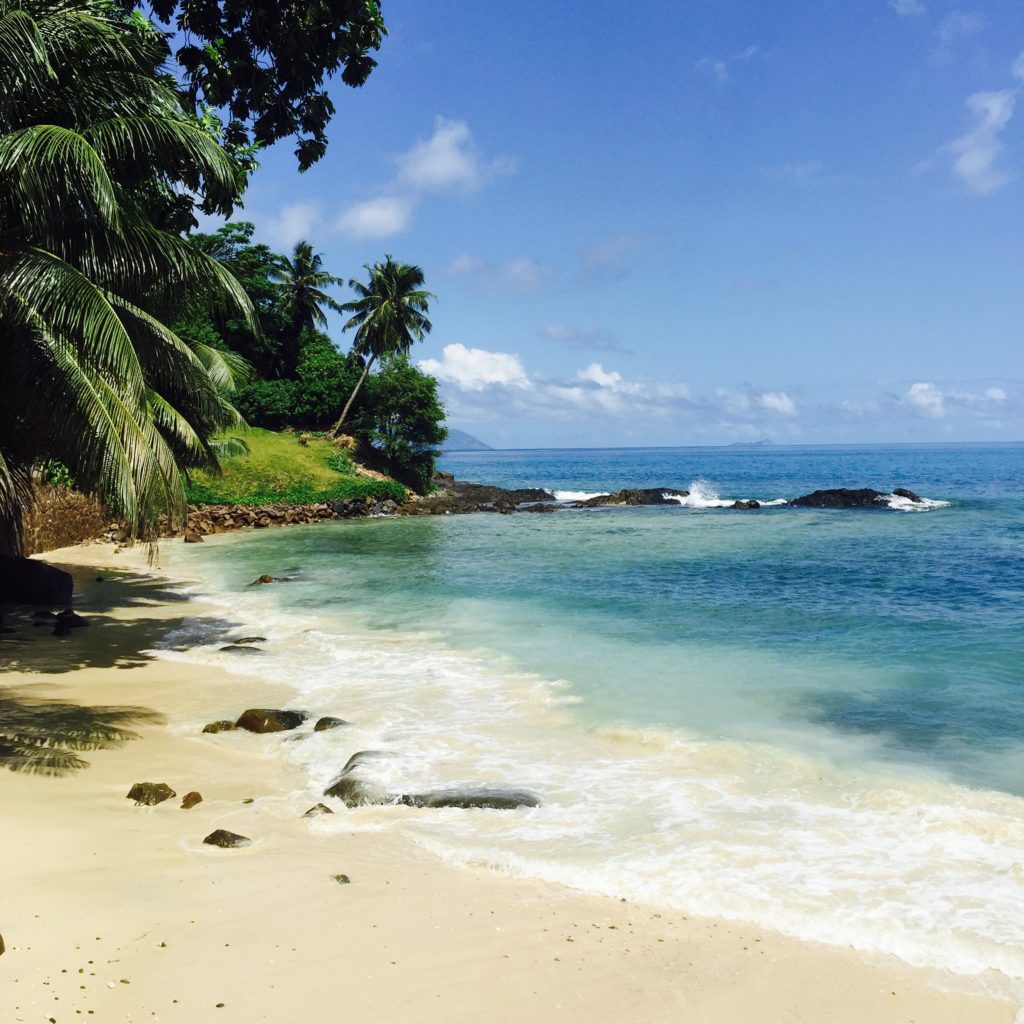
691 221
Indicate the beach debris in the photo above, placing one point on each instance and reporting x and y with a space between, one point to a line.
150 793
191 537
190 800
224 725
249 640
484 797
317 810
329 722
240 649
262 580
750 503
342 879
226 840
270 720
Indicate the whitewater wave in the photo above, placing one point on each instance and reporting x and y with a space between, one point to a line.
900 504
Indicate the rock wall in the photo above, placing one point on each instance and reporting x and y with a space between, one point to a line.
61 517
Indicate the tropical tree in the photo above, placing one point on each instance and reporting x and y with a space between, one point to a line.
96 153
302 280
389 315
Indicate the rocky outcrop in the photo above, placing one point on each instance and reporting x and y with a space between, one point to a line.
150 793
270 720
226 840
207 519
492 799
843 497
902 492
635 496
29 581
458 497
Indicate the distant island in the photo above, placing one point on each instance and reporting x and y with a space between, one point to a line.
763 443
460 441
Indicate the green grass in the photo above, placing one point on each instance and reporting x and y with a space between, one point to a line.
279 469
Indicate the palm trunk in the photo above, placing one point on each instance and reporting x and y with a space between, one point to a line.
336 429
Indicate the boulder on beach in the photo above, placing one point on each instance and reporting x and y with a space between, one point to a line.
329 722
226 840
340 879
190 800
356 792
224 725
192 537
29 581
497 799
270 720
150 793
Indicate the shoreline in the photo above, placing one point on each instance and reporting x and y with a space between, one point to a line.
267 931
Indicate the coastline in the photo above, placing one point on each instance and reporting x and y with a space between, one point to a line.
95 884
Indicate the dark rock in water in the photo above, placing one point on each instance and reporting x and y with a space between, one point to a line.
150 793
190 800
329 722
340 879
240 649
61 630
263 580
902 492
29 581
248 800
191 537
222 726
842 497
494 799
248 640
71 619
546 506
270 720
44 615
746 504
356 792
316 810
226 840
361 757
635 496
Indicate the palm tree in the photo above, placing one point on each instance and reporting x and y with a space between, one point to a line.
95 153
389 316
303 299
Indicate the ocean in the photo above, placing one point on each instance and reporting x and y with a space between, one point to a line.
808 719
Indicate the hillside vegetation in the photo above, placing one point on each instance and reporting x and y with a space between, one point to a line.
280 469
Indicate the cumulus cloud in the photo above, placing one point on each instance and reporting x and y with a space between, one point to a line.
448 159
376 218
292 224
474 369
926 399
777 401
908 8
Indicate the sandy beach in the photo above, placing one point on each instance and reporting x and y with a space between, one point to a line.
120 912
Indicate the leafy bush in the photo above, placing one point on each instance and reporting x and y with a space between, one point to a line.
301 494
267 403
324 379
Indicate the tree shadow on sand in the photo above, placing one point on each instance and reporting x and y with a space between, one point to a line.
46 737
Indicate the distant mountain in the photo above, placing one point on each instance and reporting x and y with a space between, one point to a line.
460 441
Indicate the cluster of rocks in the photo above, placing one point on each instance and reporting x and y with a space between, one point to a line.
634 496
863 497
456 497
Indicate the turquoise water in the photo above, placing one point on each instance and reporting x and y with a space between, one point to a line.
812 719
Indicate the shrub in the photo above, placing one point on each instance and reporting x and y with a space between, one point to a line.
325 377
267 403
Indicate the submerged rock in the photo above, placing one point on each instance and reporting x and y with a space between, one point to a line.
240 649
493 799
262 580
316 810
356 792
248 640
329 722
270 720
150 793
191 537
226 840
222 726
190 800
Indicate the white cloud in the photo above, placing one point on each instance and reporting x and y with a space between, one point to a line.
995 394
447 159
1017 69
597 374
523 274
376 218
777 401
958 25
976 151
293 224
474 369
926 399
908 8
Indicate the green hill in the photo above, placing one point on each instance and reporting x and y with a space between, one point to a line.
278 468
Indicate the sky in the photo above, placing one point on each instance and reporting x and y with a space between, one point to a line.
690 221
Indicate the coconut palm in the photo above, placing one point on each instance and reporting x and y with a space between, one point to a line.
95 153
302 280
389 315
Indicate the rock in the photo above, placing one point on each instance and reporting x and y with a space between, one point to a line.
240 649
150 793
3 948
340 879
361 757
263 580
329 722
494 799
546 506
317 810
192 537
61 630
29 581
226 840
71 619
247 640
356 792
269 719
902 492
751 503
222 726
635 496
43 615
190 800
248 800
842 497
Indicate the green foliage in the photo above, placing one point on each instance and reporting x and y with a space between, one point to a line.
56 474
268 403
402 420
324 377
265 63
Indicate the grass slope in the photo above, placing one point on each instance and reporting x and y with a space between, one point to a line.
279 469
